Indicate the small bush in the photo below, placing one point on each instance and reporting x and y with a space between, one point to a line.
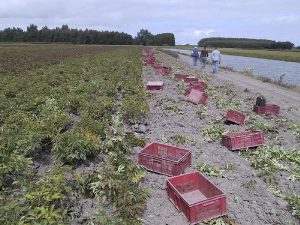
72 147
209 170
134 109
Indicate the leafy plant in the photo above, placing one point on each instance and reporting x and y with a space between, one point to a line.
51 119
213 132
134 141
182 86
43 215
101 218
294 202
209 170
74 146
172 107
119 181
295 128
133 110
202 112
40 202
266 127
266 158
179 139
120 184
269 158
12 166
229 166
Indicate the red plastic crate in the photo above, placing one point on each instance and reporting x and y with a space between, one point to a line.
165 159
155 85
189 89
244 139
180 76
190 79
157 66
235 117
166 70
268 109
195 196
199 83
197 97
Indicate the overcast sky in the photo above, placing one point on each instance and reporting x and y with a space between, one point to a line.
189 20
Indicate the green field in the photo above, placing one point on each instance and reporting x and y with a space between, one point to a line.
285 55
61 108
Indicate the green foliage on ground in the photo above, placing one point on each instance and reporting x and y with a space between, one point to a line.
209 170
70 113
271 158
42 201
294 202
213 131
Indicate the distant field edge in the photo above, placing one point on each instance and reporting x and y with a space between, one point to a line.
284 55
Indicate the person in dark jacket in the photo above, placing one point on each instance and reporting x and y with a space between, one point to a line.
195 56
203 57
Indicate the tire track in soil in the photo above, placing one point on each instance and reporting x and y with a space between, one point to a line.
248 198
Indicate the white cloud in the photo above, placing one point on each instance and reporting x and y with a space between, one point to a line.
200 33
188 20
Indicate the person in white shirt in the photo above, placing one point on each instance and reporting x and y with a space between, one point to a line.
215 59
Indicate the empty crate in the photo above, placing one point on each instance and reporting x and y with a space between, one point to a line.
199 84
197 97
166 70
157 66
244 139
180 76
268 109
155 85
165 159
190 79
196 197
235 117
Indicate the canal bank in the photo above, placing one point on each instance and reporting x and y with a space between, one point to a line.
272 69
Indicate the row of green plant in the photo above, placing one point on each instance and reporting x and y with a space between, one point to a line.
71 112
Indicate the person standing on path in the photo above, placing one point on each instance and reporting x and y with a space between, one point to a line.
195 56
215 59
203 57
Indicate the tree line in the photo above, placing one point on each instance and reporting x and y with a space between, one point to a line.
144 37
77 36
244 43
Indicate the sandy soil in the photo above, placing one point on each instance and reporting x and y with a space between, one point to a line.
248 196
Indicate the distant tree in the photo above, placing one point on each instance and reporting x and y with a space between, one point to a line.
65 34
164 39
144 37
244 43
31 33
45 35
298 47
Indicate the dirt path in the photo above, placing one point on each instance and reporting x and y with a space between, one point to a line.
249 198
288 100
